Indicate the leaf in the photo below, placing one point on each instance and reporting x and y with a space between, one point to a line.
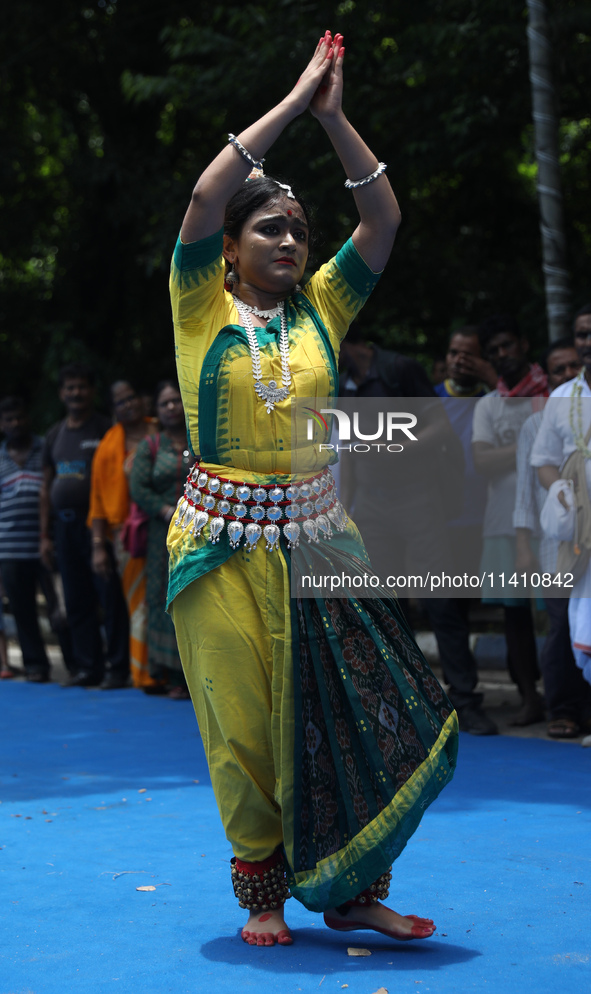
357 951
146 887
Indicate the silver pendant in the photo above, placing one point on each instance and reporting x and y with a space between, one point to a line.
292 533
216 527
337 516
252 533
311 530
271 394
199 522
235 533
323 525
180 511
272 534
188 515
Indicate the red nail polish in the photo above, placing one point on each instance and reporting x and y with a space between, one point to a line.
341 53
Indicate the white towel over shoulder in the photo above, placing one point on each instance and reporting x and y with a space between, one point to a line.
555 520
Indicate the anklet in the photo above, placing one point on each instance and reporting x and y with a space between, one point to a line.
378 891
260 886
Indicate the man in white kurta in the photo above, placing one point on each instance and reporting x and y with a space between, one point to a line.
566 421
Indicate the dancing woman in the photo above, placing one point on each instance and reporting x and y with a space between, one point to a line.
325 732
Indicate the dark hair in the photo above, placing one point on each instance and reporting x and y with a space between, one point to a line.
117 383
585 309
251 196
161 385
12 403
494 325
466 331
76 371
561 343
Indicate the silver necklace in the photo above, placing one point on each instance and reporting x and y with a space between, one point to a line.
273 312
270 394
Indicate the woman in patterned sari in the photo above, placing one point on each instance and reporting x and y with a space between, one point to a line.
157 479
325 732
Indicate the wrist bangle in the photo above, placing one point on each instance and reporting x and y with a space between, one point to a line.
354 184
256 163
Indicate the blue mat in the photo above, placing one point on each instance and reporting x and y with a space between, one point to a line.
105 792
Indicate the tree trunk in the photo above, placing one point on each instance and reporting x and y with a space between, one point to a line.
556 275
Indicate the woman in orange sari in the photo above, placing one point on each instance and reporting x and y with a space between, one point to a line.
109 507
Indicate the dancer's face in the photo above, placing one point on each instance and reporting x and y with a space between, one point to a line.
271 252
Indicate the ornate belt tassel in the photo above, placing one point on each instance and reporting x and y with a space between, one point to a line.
260 886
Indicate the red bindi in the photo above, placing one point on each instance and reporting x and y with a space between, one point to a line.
289 213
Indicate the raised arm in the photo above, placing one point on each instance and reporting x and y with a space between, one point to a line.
225 175
379 214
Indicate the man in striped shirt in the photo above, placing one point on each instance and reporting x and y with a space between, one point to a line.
21 477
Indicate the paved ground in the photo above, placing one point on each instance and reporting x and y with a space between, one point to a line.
114 869
501 697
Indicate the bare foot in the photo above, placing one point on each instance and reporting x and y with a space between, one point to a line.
380 919
267 928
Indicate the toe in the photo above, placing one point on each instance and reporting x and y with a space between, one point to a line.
284 938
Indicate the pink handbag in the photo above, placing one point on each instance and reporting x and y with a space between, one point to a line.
134 531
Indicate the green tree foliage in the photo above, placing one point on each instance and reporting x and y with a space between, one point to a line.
110 109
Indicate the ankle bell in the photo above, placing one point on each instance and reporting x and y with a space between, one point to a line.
260 886
378 891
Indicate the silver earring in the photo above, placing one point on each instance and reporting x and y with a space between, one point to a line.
232 276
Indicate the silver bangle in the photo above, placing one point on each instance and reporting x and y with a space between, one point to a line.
354 184
245 153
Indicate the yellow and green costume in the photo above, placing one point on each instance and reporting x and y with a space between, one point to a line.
324 729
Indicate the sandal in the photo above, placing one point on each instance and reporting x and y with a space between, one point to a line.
179 694
563 728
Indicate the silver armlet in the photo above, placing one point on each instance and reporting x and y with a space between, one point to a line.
354 184
257 164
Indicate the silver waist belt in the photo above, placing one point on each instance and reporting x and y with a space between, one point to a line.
312 507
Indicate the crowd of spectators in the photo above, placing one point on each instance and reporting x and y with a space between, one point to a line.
90 505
